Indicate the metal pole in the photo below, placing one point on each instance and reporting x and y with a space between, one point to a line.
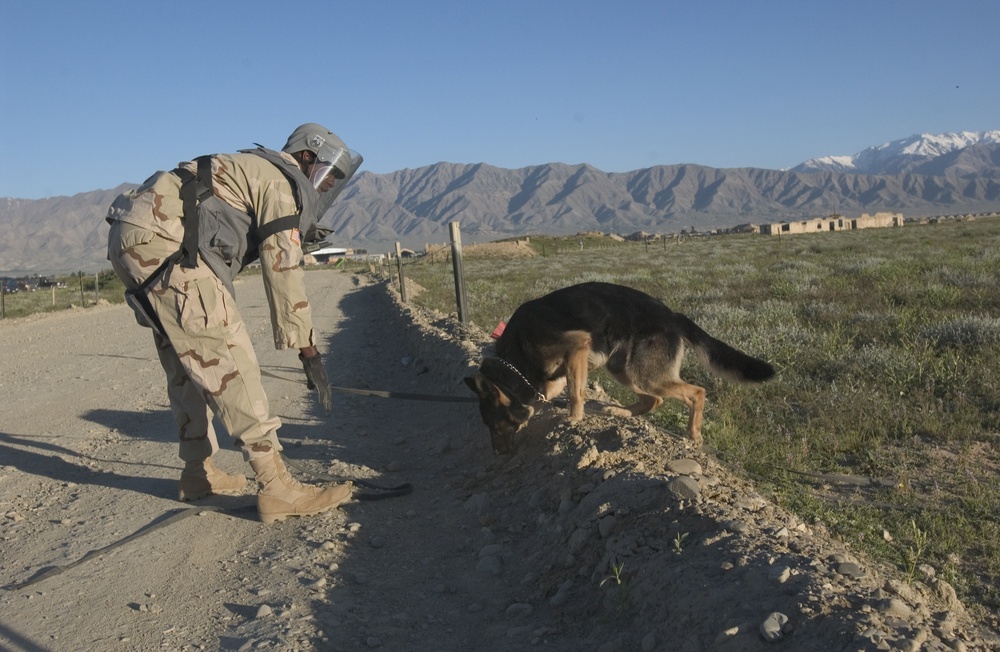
456 255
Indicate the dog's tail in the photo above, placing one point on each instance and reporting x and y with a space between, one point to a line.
722 359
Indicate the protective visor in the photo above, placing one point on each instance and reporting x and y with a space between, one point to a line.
329 178
331 163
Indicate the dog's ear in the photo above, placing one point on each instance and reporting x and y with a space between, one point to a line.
482 387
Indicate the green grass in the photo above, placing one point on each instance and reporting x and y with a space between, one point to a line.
79 291
887 345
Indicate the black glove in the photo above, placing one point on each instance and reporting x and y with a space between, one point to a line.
317 379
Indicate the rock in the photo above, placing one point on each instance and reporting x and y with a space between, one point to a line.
895 607
263 611
489 565
478 503
649 642
685 488
578 539
850 569
779 574
772 629
519 610
606 526
684 467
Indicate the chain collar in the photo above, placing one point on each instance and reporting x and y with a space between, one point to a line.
538 394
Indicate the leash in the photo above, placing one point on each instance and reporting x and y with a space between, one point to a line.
383 394
381 492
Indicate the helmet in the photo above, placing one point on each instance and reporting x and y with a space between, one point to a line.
333 159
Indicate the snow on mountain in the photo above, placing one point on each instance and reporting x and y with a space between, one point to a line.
899 156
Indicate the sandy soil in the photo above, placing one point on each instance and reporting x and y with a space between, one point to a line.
608 536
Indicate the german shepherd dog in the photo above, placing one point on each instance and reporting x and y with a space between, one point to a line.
552 342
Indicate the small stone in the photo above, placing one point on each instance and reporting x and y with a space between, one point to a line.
685 488
895 607
850 569
519 610
649 642
578 539
779 574
558 600
373 641
489 565
739 527
263 611
684 467
772 629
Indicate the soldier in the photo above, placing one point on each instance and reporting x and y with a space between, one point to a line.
177 242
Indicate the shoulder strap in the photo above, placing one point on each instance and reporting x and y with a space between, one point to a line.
264 231
195 188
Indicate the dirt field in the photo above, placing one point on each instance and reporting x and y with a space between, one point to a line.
609 536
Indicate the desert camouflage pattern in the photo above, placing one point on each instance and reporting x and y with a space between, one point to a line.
208 357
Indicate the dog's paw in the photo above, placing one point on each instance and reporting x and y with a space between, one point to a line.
615 411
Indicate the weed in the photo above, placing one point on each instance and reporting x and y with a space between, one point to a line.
679 542
913 554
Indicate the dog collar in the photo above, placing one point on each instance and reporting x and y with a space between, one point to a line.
538 394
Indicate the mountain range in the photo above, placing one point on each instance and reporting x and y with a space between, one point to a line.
922 175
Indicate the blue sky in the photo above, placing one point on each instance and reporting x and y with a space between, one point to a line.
94 94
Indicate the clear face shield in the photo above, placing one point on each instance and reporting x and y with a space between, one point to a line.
331 172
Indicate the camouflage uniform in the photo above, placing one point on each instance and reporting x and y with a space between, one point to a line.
209 361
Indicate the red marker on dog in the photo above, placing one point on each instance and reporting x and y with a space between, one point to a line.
498 331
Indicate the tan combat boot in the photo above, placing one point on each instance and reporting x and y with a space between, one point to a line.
282 496
202 478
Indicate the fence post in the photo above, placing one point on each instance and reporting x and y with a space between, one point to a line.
97 288
456 257
3 300
80 274
399 269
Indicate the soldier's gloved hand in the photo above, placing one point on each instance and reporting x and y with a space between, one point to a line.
317 379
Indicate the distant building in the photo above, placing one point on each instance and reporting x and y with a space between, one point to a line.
834 223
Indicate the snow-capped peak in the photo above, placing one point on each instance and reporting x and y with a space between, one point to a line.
888 157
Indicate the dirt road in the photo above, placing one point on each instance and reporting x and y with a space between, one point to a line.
608 536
